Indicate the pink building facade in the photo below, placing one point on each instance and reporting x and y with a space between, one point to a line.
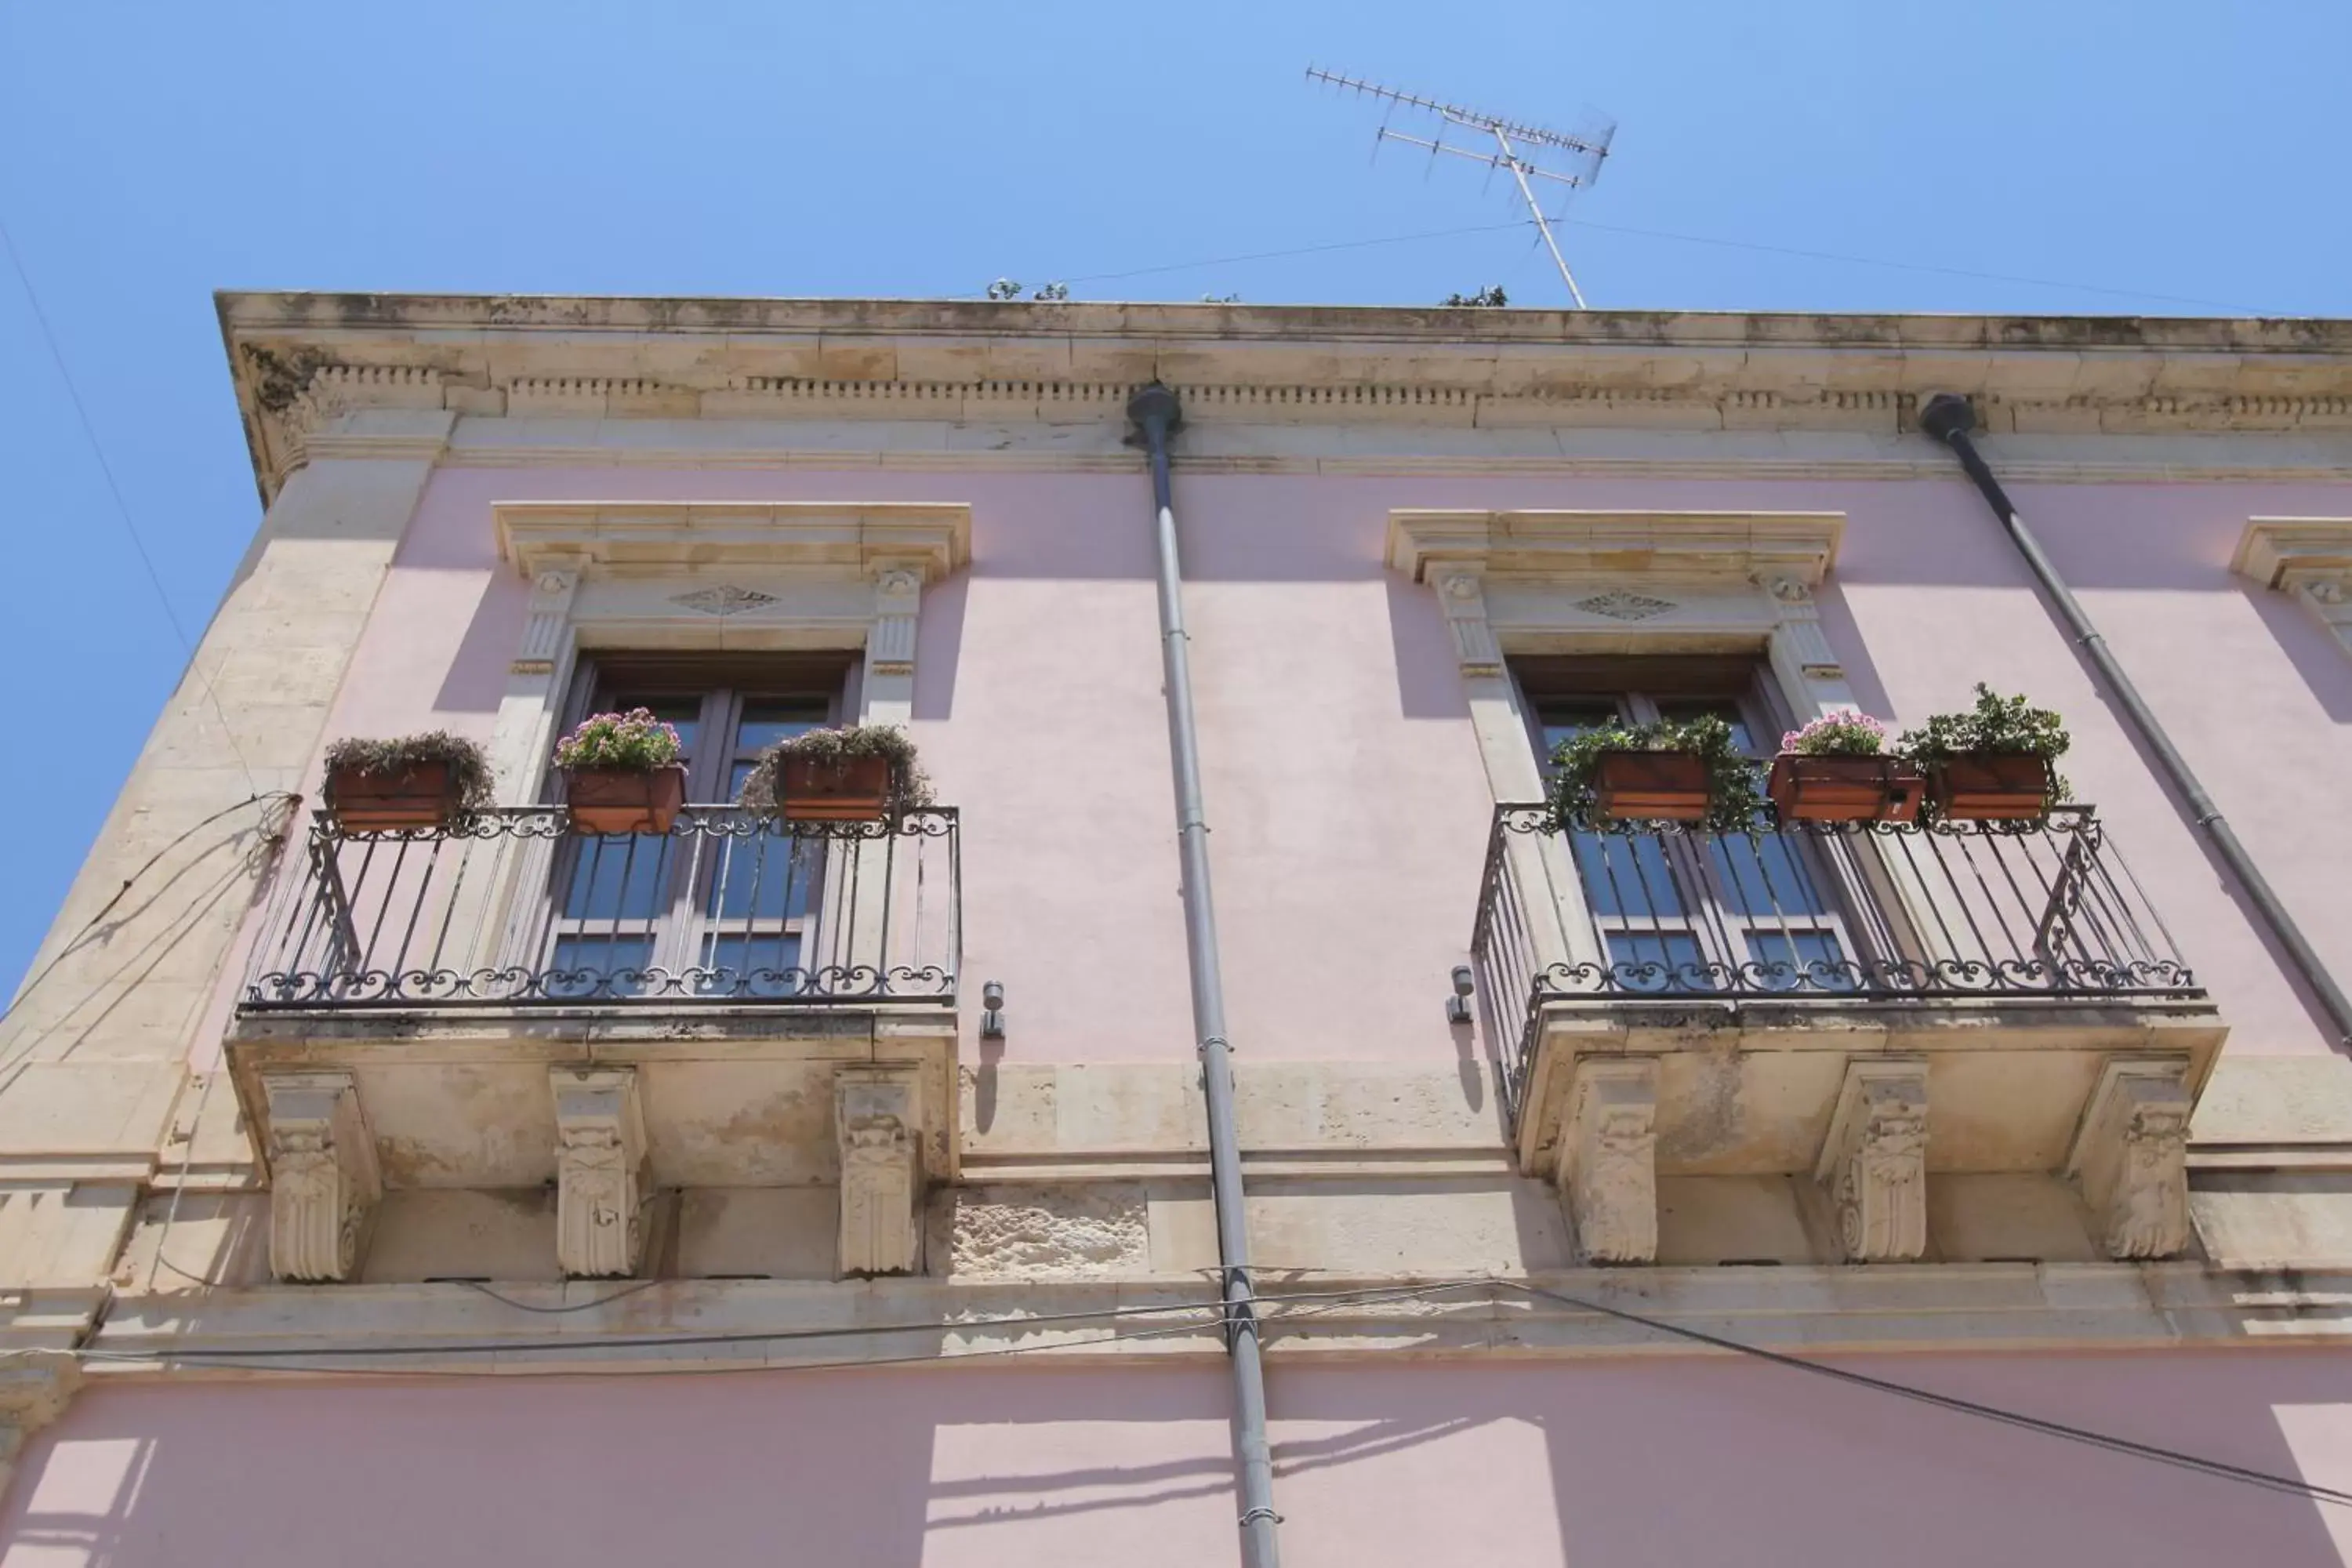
506 1195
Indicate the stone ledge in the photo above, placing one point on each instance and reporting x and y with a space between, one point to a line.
1848 1311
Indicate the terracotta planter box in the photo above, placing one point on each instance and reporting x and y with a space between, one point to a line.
424 796
858 790
1843 789
1649 786
623 800
1990 787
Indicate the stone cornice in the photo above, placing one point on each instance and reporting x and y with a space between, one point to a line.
862 538
302 362
1736 546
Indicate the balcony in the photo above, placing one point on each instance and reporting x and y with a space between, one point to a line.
505 1004
1873 1007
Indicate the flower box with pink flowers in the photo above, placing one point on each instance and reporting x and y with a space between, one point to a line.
1837 768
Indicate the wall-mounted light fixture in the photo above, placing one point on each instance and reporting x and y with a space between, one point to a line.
1457 1006
991 1015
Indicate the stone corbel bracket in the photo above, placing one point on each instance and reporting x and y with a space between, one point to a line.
1608 1160
323 1180
878 1118
1874 1161
601 1178
2309 557
2131 1157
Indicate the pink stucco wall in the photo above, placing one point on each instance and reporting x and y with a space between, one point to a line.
1344 786
1599 1464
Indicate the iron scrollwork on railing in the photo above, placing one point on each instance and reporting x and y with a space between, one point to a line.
1812 913
509 907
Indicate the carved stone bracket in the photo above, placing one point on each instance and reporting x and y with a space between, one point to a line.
1874 1162
1464 602
600 1165
36 1387
1608 1160
323 1182
897 599
2131 1158
2309 557
878 1118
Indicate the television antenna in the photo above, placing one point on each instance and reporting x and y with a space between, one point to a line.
1583 154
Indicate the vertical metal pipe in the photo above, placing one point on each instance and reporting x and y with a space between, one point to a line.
1948 418
1155 414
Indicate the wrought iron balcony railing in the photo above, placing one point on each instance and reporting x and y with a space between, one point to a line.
511 907
1810 913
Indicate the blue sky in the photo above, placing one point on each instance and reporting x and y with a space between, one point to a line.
155 153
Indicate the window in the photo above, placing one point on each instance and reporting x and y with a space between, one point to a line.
1674 911
730 905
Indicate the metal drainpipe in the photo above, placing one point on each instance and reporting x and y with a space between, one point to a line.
1948 418
1155 413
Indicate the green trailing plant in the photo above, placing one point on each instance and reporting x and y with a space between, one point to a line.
831 749
1733 801
1490 298
1842 735
468 764
2007 726
636 740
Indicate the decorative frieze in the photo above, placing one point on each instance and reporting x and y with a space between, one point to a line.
1874 1162
2131 1157
600 1162
323 1180
1608 1160
877 1121
723 601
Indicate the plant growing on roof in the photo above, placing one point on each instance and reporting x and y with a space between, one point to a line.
1578 764
469 787
636 740
779 778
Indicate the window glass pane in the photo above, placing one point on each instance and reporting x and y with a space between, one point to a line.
1656 961
599 965
767 720
1766 875
1627 875
1565 719
1800 960
754 966
765 876
621 877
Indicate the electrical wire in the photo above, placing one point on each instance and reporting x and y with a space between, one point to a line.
2221 1469
121 507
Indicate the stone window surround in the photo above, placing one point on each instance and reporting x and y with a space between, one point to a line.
2309 557
714 576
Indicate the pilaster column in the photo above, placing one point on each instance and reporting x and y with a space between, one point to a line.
2131 1156
323 1182
600 1165
1874 1162
878 1119
1608 1160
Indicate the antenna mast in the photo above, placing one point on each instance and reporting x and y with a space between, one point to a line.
1585 152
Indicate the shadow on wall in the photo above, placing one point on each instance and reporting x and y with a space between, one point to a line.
2318 656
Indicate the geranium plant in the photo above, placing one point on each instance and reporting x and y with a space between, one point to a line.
1733 803
636 740
468 764
835 752
1843 735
